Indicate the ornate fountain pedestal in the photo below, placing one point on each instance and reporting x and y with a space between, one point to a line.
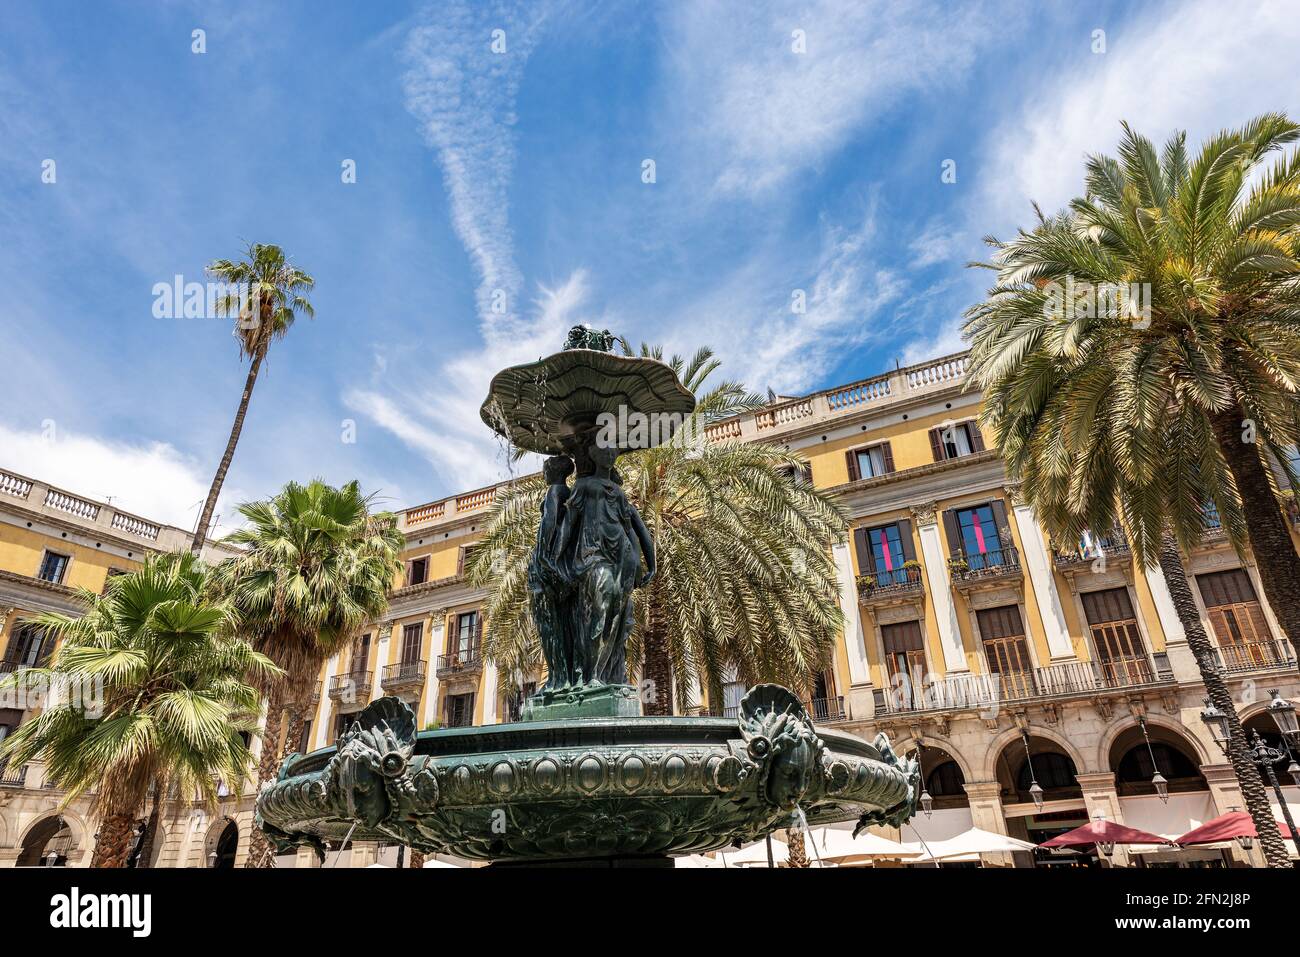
585 778
606 791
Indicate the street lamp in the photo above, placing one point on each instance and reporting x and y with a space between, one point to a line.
927 802
1217 722
1157 780
1245 840
212 859
1035 791
1284 717
1265 757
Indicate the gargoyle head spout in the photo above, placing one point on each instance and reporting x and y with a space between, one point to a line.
780 738
372 754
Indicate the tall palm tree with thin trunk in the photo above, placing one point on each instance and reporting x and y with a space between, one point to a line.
176 695
316 565
269 292
1102 421
1211 242
745 587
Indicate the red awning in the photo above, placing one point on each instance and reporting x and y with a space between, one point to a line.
1103 832
1226 827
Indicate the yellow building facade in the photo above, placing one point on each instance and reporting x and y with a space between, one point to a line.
1042 683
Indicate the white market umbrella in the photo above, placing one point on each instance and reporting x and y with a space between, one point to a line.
976 841
437 863
696 860
835 845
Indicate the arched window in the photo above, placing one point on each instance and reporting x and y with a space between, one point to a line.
945 780
47 844
222 854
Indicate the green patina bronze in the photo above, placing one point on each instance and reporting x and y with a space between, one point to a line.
585 775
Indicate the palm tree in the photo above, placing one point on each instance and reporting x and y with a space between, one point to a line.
316 565
1217 238
745 585
1105 422
272 296
176 695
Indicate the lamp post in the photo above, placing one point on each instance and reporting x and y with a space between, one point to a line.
1261 754
1157 780
927 802
1035 790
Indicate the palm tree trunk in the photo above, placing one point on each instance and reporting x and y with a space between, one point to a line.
1248 779
113 842
201 533
417 859
798 853
1270 541
151 826
656 669
260 852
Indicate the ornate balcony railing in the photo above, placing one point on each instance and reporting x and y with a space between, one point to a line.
1241 656
982 692
351 688
468 661
12 777
1112 547
403 675
997 564
883 587
827 709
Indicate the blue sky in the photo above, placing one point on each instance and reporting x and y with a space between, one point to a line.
521 171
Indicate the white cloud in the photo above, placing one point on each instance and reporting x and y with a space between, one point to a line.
441 420
152 480
1201 66
463 94
753 112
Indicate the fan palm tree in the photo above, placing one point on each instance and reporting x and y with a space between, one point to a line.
177 692
745 584
272 294
1109 421
1216 240
316 565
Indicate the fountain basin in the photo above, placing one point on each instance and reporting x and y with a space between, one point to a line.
616 787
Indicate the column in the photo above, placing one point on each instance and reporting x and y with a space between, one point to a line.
381 657
1038 563
429 701
1169 620
985 799
936 580
854 643
1100 797
1226 792
489 693
321 722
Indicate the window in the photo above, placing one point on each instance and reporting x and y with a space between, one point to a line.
1121 653
466 635
110 575
1006 650
466 557
1238 620
53 567
882 552
870 462
955 441
417 571
1052 770
804 472
304 743
978 535
412 642
514 701
360 655
905 655
341 723
29 647
460 710
732 692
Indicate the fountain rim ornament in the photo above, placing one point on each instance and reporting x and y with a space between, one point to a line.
546 406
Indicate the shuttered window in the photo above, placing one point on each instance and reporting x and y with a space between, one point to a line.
1005 649
904 650
1235 612
1121 653
870 462
412 640
360 654
954 441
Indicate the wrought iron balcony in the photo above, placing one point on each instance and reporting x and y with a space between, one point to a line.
995 565
987 692
828 709
466 662
403 676
12 777
1112 547
351 690
899 584
1242 656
